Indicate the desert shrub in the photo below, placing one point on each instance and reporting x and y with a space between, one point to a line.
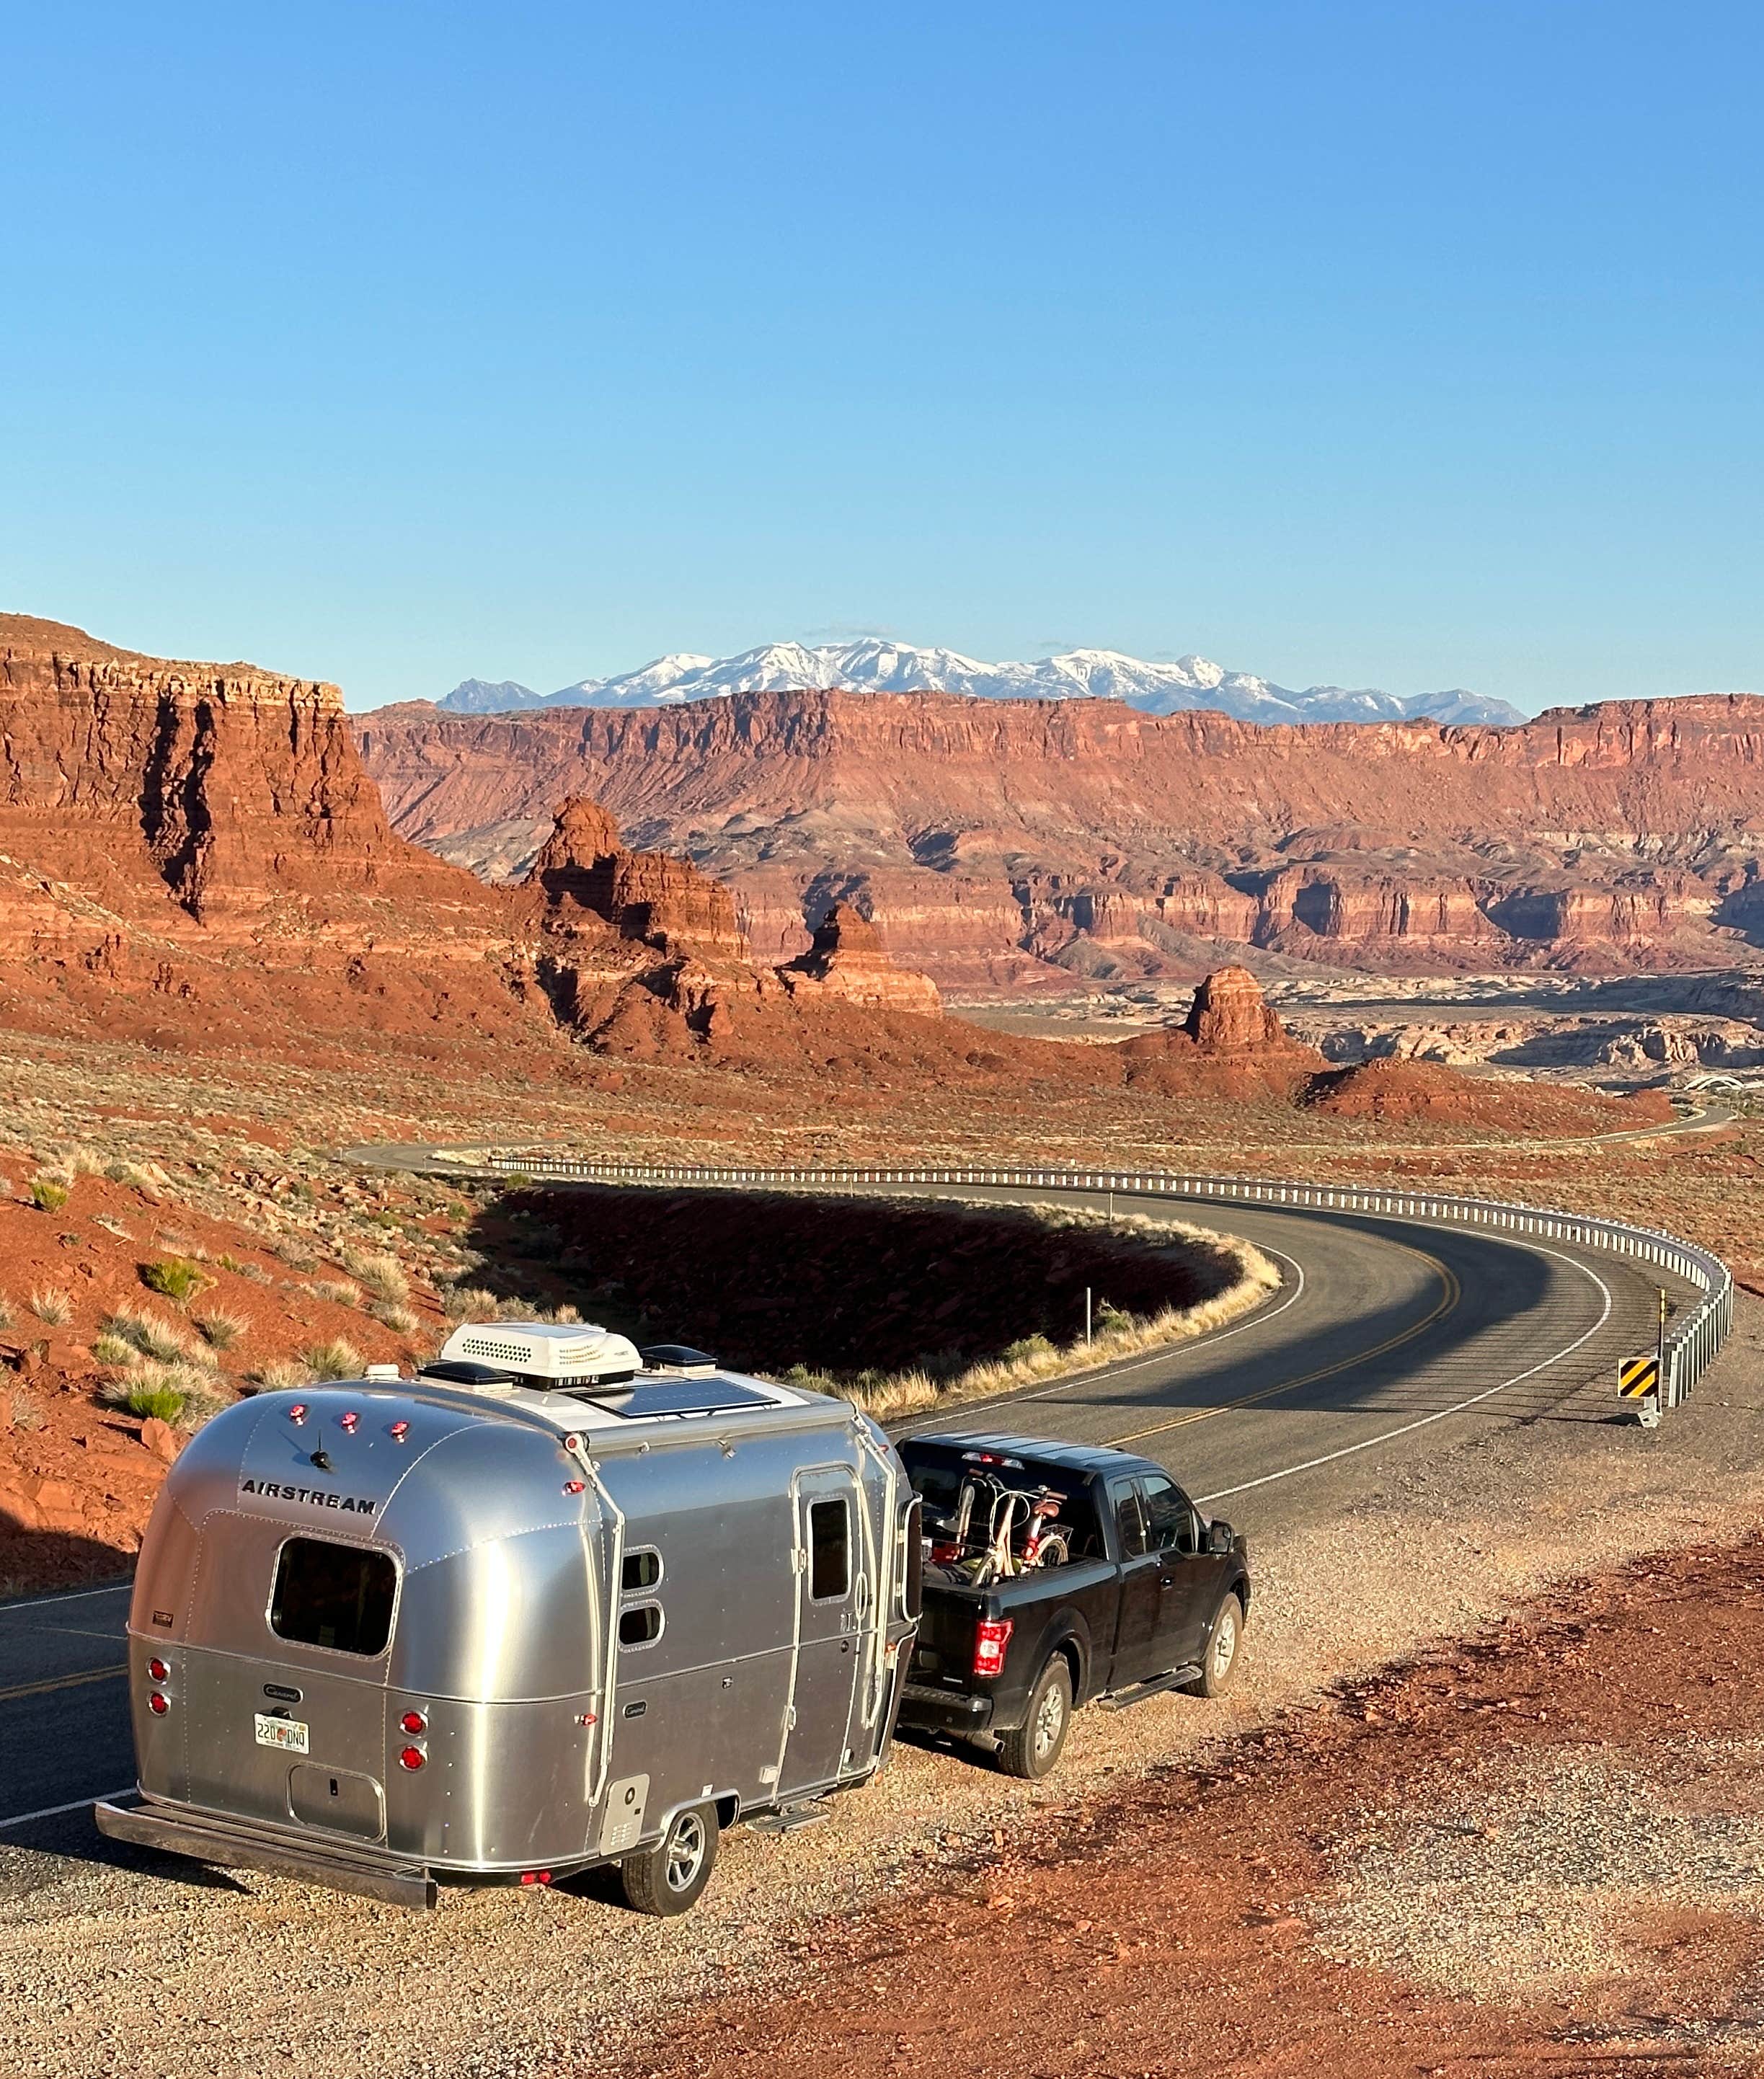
296 1254
280 1374
5 1313
229 1262
469 1303
50 1304
147 1335
383 1275
518 1309
48 1195
220 1330
165 1401
338 1290
175 1277
1027 1346
111 1349
335 1359
26 1414
399 1320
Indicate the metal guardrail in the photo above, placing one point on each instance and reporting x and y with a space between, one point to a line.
1690 1346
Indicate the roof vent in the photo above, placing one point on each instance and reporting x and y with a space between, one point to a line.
678 1360
382 1371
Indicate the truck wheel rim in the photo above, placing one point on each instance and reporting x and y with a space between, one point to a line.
1224 1643
1049 1719
685 1851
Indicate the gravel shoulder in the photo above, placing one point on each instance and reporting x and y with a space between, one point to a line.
947 1900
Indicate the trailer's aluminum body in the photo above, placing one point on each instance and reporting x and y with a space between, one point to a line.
523 1525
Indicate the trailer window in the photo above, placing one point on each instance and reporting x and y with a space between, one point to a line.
334 1596
642 1569
830 1551
640 1624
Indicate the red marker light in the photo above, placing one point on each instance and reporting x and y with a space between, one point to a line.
572 1443
157 1704
414 1721
411 1758
572 1486
400 1431
298 1413
159 1671
350 1422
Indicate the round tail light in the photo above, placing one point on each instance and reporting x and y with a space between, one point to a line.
350 1422
414 1721
157 1704
411 1758
298 1413
159 1671
399 1432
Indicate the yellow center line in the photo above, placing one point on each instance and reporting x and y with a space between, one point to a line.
64 1682
1452 1293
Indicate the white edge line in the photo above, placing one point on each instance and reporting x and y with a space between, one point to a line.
77 1595
1421 1422
74 1804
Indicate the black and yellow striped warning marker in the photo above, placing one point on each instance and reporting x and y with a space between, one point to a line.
1637 1376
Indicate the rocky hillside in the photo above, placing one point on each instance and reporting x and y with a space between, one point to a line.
1007 842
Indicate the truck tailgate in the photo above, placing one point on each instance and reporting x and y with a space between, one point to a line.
944 1654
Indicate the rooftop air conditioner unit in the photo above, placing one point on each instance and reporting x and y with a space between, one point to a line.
557 1354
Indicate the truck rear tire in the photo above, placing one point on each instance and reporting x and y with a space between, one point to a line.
1223 1646
668 1878
1031 1750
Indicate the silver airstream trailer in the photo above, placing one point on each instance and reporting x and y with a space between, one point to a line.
548 1604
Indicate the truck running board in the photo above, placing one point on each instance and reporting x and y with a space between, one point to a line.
791 1820
1178 1678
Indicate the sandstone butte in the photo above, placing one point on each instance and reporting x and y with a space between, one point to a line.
191 856
1012 842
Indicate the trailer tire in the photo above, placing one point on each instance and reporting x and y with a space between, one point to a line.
669 1878
1033 1748
1221 1649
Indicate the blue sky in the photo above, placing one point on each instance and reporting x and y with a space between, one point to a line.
1409 345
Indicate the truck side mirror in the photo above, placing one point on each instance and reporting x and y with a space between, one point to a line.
1219 1537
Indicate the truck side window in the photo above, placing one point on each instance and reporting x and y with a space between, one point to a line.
830 1551
1167 1513
1130 1523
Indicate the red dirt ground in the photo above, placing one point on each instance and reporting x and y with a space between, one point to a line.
1173 1929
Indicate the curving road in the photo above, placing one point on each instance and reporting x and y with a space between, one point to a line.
1388 1340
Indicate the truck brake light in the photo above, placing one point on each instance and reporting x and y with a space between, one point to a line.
992 1635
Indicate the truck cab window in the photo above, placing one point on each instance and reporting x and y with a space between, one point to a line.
830 1551
1169 1519
339 1596
1130 1519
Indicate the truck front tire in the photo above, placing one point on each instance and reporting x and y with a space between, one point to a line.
1031 1750
668 1878
1220 1653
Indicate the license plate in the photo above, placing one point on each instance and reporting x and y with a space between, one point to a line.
288 1733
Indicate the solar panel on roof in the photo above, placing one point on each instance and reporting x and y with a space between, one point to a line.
650 1398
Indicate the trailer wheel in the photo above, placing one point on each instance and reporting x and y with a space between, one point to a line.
668 1878
1031 1750
1220 1656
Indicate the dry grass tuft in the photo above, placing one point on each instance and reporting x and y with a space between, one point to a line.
281 1374
469 1303
338 1290
335 1359
221 1330
399 1320
383 1275
148 1337
49 1303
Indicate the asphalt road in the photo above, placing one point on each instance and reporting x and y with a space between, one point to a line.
1388 1340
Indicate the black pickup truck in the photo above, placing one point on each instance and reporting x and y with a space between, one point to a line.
1131 1592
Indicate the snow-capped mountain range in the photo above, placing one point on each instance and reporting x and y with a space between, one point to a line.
878 666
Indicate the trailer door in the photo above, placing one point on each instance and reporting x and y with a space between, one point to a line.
831 1594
